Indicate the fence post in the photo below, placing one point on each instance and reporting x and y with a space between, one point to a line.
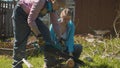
6 8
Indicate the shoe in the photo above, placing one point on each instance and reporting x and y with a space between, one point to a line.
44 66
70 63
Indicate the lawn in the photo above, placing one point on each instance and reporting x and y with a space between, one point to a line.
103 53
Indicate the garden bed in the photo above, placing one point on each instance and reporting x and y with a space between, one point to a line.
6 46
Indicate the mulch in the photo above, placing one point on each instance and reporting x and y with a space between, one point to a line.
6 48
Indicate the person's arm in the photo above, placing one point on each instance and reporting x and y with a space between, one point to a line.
56 26
54 38
52 33
33 14
70 38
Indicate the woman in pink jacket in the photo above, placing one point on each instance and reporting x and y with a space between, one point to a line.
26 19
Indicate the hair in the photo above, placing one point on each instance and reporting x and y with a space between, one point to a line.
66 12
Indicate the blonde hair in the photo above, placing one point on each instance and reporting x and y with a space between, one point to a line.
65 12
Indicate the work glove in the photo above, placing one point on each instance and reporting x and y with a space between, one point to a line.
40 40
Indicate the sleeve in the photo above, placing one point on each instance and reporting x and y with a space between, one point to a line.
54 39
70 38
33 14
52 34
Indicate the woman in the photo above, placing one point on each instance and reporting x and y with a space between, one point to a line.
26 19
67 35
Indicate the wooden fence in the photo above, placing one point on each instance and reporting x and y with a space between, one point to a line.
6 29
94 15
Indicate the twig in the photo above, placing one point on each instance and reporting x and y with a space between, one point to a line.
27 63
114 23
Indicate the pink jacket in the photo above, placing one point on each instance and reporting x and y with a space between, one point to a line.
33 8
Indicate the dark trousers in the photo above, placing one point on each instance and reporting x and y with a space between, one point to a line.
21 33
50 59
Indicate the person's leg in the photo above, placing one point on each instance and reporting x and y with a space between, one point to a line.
77 50
21 31
48 58
44 31
77 53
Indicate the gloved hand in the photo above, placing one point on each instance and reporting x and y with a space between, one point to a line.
62 42
40 41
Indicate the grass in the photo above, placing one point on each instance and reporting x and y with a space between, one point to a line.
105 54
5 62
36 61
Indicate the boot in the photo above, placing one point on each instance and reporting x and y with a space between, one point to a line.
70 63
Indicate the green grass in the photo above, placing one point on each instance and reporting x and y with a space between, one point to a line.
104 55
99 62
36 61
5 62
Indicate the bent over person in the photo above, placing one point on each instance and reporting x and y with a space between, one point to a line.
26 19
66 41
